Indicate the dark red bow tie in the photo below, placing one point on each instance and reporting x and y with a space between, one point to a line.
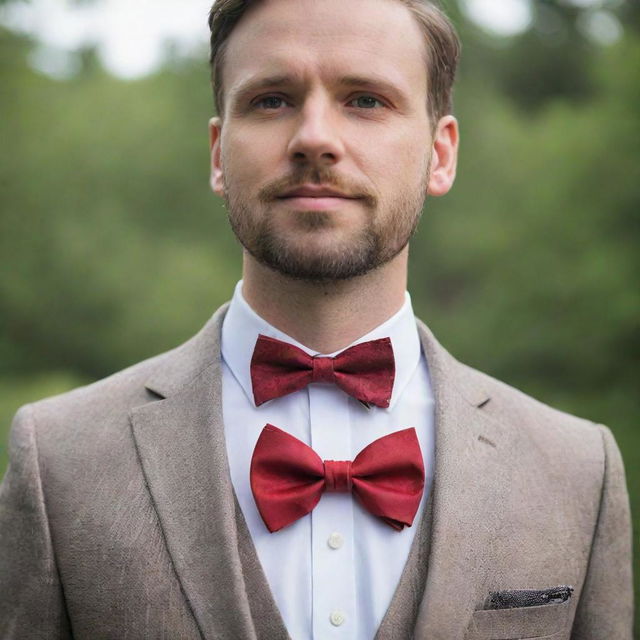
365 371
288 477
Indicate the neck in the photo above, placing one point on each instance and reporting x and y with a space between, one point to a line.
326 317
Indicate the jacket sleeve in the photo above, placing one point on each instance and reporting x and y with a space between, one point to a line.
31 599
605 609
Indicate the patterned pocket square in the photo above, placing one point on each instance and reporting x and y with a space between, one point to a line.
512 598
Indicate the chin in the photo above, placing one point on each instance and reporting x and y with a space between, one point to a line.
323 244
318 260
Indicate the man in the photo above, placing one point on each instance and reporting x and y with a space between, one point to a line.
313 464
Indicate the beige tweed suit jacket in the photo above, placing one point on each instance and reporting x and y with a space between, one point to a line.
118 519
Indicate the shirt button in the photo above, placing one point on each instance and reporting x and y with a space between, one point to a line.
337 618
336 540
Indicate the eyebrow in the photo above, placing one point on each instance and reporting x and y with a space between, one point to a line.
372 81
255 84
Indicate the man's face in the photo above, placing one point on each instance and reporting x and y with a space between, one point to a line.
323 156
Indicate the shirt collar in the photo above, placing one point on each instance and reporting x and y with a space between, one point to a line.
242 325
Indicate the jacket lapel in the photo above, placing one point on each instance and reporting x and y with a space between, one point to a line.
472 476
180 440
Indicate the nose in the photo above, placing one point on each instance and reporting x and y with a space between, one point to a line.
316 138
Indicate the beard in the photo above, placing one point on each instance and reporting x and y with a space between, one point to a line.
387 228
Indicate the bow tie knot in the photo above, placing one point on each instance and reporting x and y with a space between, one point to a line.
337 476
323 369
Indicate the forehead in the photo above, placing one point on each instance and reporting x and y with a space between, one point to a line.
327 38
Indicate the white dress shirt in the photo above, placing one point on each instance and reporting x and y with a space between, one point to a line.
333 572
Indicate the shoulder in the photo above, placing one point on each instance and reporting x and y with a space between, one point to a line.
562 445
101 410
85 423
572 457
527 423
114 394
506 402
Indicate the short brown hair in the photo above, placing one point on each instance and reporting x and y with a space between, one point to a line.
441 39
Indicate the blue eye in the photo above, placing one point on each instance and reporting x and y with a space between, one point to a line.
366 102
270 102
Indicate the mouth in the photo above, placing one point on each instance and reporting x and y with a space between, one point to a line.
316 198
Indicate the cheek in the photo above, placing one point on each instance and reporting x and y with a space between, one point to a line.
237 163
413 152
250 158
395 162
396 176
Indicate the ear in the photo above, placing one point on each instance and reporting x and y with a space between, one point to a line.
444 158
217 179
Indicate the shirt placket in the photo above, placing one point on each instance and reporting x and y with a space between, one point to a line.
332 540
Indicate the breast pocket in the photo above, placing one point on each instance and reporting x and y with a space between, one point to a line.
521 623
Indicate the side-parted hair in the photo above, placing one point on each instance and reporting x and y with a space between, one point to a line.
441 40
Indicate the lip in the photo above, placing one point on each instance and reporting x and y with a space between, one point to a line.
316 203
315 191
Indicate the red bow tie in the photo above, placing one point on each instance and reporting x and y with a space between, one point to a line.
288 477
365 371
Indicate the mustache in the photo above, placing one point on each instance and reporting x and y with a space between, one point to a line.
315 175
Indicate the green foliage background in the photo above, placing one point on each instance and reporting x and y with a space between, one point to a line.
113 249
